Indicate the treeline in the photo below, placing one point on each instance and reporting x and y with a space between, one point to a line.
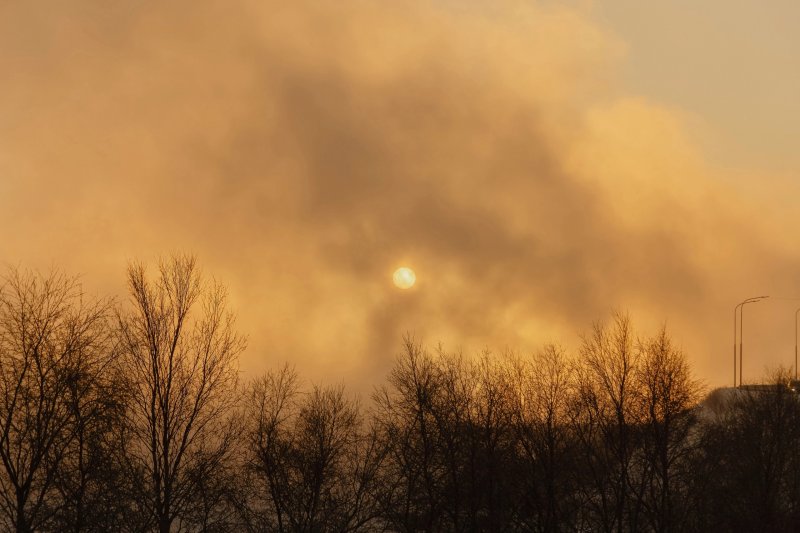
132 417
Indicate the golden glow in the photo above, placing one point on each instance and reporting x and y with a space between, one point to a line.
621 186
404 278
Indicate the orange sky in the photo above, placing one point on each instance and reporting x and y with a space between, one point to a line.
537 164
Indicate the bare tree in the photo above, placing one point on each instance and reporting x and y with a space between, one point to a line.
747 476
457 441
605 419
53 343
544 386
668 396
447 425
272 406
414 475
489 446
90 479
179 349
315 463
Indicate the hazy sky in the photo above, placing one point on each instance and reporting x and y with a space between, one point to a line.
537 164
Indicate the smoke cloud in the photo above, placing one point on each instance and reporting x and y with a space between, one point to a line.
304 150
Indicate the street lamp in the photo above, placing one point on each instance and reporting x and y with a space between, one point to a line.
740 307
795 343
735 310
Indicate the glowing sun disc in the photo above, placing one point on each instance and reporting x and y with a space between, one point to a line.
404 278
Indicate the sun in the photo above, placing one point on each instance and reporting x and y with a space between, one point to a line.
404 278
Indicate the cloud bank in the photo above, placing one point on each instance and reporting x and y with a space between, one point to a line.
305 150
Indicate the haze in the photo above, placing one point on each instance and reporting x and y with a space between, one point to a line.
536 164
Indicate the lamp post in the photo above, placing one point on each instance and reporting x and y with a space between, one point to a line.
795 343
735 310
741 335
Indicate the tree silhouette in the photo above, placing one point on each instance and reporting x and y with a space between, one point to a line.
544 387
53 346
313 460
747 473
131 419
667 397
605 418
179 348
